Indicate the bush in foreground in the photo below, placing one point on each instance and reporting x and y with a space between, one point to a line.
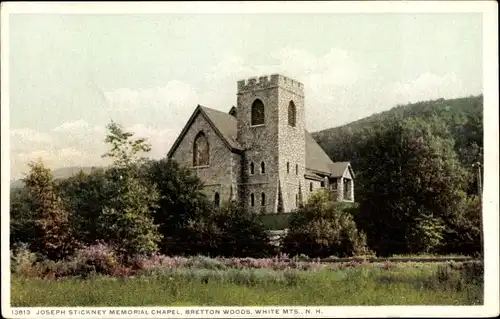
324 228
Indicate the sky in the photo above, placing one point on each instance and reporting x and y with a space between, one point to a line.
69 75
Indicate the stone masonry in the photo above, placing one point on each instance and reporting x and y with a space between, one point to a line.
235 145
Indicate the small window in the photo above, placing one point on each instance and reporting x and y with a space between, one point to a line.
262 168
263 199
292 114
287 167
296 200
201 150
251 169
252 200
257 112
311 187
296 169
322 184
216 200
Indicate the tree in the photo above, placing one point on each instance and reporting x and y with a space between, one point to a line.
323 228
181 200
52 236
234 232
85 196
462 233
22 219
126 220
412 181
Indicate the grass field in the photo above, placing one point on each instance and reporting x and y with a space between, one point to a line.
409 284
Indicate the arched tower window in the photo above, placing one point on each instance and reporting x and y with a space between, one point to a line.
292 114
201 150
257 112
262 168
252 169
252 200
263 199
216 200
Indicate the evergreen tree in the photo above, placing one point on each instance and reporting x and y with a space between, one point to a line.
52 236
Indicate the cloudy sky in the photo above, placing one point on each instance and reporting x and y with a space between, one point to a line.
71 74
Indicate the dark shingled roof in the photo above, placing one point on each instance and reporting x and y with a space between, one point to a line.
338 168
316 158
226 124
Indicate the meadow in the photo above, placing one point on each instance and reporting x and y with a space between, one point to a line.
202 281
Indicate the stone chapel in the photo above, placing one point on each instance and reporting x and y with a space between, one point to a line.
260 153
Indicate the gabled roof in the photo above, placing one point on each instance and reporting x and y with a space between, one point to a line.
316 158
338 169
226 126
222 123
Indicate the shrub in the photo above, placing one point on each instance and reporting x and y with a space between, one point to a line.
323 228
22 261
95 259
202 262
229 231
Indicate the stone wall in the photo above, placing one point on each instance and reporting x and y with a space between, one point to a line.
275 143
223 167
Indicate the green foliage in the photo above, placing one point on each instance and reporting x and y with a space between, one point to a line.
323 228
275 221
85 195
464 228
22 219
408 284
22 261
462 117
124 150
181 200
51 234
229 231
126 220
411 181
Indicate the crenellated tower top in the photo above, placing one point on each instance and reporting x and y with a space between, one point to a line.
267 82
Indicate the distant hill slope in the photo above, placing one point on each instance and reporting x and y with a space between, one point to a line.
60 173
464 117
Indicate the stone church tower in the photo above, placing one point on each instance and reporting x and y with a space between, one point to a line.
271 130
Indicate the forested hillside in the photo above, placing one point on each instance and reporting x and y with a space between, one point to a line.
463 117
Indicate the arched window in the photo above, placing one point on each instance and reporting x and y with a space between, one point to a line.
292 114
310 186
288 167
201 150
252 200
216 200
252 170
296 169
262 168
257 112
263 199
